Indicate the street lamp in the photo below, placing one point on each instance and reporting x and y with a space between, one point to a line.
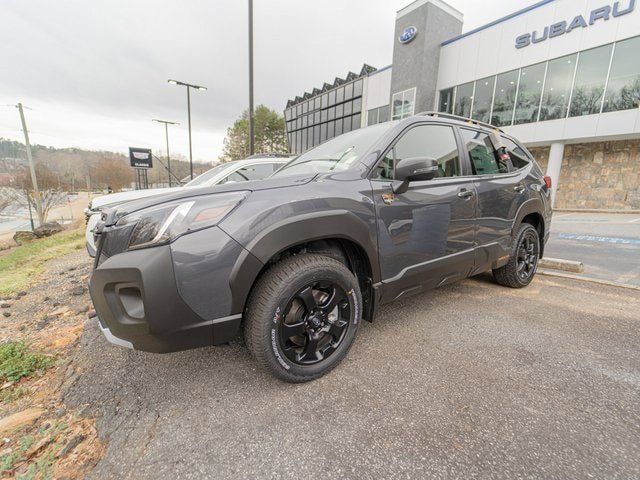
166 133
189 87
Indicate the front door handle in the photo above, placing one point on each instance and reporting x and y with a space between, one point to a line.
465 193
519 188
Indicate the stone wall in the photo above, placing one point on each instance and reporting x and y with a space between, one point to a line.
599 175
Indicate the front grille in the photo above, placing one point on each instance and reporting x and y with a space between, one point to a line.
111 241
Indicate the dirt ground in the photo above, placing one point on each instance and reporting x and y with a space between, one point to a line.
41 436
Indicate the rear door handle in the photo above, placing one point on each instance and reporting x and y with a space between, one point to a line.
519 188
465 193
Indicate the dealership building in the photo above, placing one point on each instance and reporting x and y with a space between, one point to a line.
562 76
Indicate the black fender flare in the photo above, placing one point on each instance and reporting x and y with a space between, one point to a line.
340 224
533 205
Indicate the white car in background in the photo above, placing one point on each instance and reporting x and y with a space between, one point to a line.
255 167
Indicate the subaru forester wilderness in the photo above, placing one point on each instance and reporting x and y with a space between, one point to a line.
296 261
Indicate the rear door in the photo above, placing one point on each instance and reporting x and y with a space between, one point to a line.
500 190
426 235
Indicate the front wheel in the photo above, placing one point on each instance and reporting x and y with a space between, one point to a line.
523 262
302 317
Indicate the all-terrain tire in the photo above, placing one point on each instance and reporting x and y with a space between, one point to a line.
520 269
272 295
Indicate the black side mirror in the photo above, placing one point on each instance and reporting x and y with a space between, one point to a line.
414 169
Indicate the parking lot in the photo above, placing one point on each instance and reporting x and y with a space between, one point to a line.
607 244
469 381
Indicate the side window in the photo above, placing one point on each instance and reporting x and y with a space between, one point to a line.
519 157
481 153
430 141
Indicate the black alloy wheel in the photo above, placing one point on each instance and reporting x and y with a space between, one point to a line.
302 316
528 254
523 261
314 323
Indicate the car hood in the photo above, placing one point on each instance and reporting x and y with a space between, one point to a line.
171 195
113 199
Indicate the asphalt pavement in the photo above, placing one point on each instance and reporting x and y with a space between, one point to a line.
471 380
607 244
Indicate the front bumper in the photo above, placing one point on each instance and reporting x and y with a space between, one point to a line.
137 298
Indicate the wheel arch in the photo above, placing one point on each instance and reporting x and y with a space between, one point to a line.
531 212
340 234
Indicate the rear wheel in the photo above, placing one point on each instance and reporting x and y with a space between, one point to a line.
302 317
523 262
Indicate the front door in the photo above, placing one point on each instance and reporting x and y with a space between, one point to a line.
426 236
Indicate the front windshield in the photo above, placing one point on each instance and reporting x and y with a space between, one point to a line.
208 175
339 153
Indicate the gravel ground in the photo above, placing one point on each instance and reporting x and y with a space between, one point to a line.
468 381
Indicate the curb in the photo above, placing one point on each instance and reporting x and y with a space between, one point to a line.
563 265
581 278
594 210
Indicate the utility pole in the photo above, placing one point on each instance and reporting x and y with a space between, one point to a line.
34 180
251 125
166 134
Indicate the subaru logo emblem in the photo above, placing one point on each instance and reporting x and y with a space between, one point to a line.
408 34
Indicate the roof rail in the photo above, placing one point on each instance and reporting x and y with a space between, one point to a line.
461 119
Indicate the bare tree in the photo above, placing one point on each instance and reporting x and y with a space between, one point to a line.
50 198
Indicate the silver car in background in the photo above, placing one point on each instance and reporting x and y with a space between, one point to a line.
255 167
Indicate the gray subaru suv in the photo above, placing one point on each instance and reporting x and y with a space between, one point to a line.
298 260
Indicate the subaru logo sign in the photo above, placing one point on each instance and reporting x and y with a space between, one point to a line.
408 34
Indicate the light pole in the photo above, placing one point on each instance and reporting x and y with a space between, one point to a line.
251 126
189 87
166 134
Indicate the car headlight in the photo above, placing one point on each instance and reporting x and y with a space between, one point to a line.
163 223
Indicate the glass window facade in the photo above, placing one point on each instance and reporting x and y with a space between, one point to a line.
602 79
327 115
464 97
557 88
482 99
623 88
446 100
378 115
529 93
591 76
403 103
505 98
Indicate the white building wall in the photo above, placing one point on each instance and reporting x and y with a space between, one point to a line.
492 50
377 88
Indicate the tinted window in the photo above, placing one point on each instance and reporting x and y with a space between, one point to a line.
505 98
529 93
383 114
464 95
446 101
372 117
557 88
482 99
623 89
591 75
481 153
519 157
430 141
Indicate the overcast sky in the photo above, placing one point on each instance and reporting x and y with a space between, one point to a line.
95 72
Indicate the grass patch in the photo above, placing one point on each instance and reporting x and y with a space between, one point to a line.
19 267
17 361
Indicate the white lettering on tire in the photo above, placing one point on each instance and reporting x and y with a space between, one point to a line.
276 352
